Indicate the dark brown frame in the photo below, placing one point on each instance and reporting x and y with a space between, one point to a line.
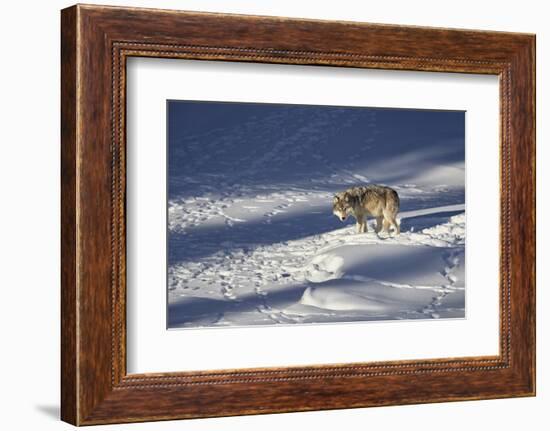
95 43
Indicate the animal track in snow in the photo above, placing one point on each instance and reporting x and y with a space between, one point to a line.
452 261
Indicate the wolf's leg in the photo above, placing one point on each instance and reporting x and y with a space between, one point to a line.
389 218
360 223
379 221
395 225
386 226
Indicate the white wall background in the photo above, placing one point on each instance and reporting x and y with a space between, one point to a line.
29 215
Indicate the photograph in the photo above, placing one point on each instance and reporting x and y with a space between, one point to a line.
285 214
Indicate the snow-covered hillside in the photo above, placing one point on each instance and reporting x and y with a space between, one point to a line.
252 238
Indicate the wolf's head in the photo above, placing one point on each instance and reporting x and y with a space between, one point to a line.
340 206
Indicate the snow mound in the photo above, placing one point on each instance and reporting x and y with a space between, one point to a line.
334 298
396 281
373 298
324 267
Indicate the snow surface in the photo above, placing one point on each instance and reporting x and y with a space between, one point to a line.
252 238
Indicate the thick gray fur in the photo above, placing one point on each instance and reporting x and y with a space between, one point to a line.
373 200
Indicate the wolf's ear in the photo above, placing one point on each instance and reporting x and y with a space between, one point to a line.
336 198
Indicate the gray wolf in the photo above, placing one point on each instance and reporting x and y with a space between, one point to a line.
373 200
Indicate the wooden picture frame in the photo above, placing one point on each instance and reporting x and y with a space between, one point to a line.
95 43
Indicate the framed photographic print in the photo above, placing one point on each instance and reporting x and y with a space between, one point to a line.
265 215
